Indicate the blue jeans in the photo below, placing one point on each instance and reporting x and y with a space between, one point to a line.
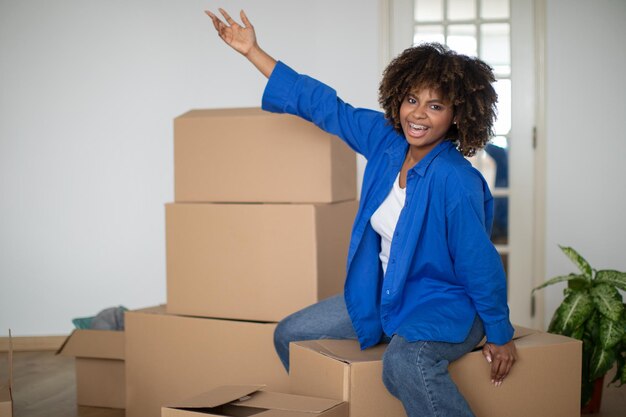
414 372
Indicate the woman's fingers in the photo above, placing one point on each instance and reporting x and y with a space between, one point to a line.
487 353
227 17
499 371
494 372
216 21
510 362
507 369
245 20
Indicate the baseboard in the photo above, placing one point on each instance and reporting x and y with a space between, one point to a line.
32 343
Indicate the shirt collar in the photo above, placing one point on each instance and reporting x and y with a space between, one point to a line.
421 167
397 152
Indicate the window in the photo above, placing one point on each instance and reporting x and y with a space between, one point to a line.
480 28
502 33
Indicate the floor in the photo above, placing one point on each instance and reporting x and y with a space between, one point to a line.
44 386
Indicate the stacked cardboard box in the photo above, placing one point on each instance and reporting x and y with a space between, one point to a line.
545 381
259 229
248 155
261 223
100 376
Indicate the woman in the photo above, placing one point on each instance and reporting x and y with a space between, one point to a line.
422 274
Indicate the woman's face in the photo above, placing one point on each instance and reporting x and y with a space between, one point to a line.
425 118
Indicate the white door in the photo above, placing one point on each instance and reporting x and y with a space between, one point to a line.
500 32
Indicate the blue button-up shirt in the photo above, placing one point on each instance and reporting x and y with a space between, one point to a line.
443 268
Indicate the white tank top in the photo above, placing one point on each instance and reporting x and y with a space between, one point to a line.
386 217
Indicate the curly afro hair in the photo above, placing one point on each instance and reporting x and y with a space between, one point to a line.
463 81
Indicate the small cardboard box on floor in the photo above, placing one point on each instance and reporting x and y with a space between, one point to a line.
248 155
169 358
545 381
100 373
243 400
257 262
6 387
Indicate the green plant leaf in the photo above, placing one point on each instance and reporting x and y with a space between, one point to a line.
611 333
578 333
579 279
601 362
575 309
591 335
578 284
612 277
578 260
608 301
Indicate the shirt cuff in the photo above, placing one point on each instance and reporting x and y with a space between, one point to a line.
499 333
278 88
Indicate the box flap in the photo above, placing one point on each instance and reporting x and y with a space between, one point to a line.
218 396
520 332
287 413
101 344
287 402
347 351
158 309
540 339
275 403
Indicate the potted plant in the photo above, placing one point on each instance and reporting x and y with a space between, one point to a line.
593 311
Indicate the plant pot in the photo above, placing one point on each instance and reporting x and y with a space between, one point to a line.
593 406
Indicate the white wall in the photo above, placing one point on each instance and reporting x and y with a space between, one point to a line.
586 143
88 91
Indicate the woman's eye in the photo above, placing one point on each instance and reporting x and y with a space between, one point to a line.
435 107
411 100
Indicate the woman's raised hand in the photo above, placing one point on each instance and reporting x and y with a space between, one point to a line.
241 38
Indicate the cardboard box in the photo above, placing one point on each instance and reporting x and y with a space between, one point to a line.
171 357
6 387
338 369
235 400
255 261
100 372
248 155
545 381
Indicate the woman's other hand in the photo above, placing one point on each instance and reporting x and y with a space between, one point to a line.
501 358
